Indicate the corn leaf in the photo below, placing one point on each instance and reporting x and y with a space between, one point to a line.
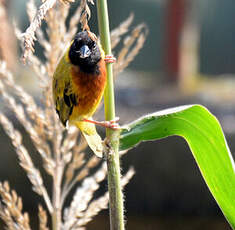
206 140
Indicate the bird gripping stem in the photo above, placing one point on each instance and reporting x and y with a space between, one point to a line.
113 165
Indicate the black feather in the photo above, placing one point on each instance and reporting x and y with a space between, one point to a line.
89 64
73 99
70 111
67 100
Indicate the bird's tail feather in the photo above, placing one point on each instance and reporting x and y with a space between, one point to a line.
92 137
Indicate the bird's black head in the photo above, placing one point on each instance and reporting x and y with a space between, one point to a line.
85 53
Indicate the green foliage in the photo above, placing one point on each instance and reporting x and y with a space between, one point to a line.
206 140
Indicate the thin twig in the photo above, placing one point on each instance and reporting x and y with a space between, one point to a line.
29 35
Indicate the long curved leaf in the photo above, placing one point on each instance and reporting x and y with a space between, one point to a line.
206 140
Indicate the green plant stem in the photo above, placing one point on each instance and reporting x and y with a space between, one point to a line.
113 164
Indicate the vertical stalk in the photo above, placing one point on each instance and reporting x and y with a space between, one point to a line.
113 164
56 214
57 180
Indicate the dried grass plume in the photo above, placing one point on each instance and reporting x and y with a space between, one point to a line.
62 151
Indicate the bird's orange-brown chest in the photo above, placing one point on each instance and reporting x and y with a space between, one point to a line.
89 89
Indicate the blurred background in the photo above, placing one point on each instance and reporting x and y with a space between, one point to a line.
188 58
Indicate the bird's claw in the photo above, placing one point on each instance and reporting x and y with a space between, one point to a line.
112 124
110 59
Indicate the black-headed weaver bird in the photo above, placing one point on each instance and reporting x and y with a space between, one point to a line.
78 85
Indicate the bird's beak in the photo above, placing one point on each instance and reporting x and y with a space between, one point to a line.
84 51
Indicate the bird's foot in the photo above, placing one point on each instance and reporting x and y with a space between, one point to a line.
110 59
107 124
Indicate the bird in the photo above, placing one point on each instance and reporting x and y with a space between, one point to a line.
78 85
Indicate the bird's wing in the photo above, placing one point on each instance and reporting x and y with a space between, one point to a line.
64 97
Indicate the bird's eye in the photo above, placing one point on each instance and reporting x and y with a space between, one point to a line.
77 44
91 44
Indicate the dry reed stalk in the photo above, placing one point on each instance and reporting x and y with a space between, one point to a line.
25 160
42 215
123 28
7 40
62 151
131 47
29 35
11 209
102 202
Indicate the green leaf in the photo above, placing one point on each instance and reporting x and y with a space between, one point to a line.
206 140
